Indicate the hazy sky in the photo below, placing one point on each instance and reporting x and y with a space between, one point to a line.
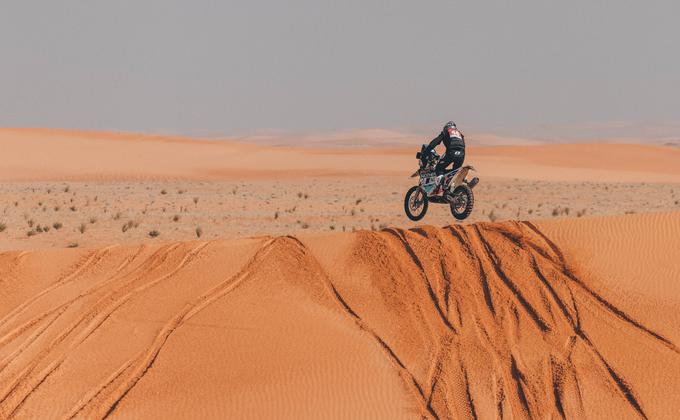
237 67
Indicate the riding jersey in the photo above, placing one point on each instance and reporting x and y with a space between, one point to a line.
453 140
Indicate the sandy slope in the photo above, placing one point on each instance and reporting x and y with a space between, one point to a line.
43 154
514 319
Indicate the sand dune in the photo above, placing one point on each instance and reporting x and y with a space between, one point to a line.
513 319
48 155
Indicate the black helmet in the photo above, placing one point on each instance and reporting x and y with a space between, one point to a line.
449 125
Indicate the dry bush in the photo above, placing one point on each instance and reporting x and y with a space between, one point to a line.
492 216
82 228
3 227
163 192
175 218
72 245
117 215
93 220
154 233
31 233
73 208
57 225
30 222
305 225
276 215
580 213
196 200
199 232
129 225
356 203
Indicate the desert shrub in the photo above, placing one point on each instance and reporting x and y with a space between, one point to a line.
196 200
154 233
276 215
3 227
129 225
72 245
199 232
117 215
73 208
164 192
93 220
57 225
175 218
82 228
31 233
492 216
305 225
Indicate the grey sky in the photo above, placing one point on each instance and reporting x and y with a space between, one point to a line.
236 67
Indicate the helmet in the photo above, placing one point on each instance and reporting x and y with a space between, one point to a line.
449 125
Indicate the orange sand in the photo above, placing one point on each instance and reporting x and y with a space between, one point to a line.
511 320
42 154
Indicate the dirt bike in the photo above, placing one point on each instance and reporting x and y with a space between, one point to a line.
452 188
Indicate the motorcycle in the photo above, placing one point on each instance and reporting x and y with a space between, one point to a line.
452 188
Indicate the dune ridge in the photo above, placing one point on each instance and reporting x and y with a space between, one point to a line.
488 320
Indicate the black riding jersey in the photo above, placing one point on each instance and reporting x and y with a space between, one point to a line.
453 140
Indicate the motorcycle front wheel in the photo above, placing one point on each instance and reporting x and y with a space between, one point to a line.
415 203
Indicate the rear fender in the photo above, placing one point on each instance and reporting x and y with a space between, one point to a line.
460 176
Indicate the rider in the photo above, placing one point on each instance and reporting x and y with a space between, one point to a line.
454 141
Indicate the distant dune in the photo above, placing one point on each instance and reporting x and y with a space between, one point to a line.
572 318
41 154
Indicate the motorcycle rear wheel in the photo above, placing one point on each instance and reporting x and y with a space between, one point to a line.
462 200
415 203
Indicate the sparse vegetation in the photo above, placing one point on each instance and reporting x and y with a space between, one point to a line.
305 225
93 220
492 216
129 225
31 233
154 233
82 228
72 245
195 200
3 227
57 225
199 232
163 192
175 218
